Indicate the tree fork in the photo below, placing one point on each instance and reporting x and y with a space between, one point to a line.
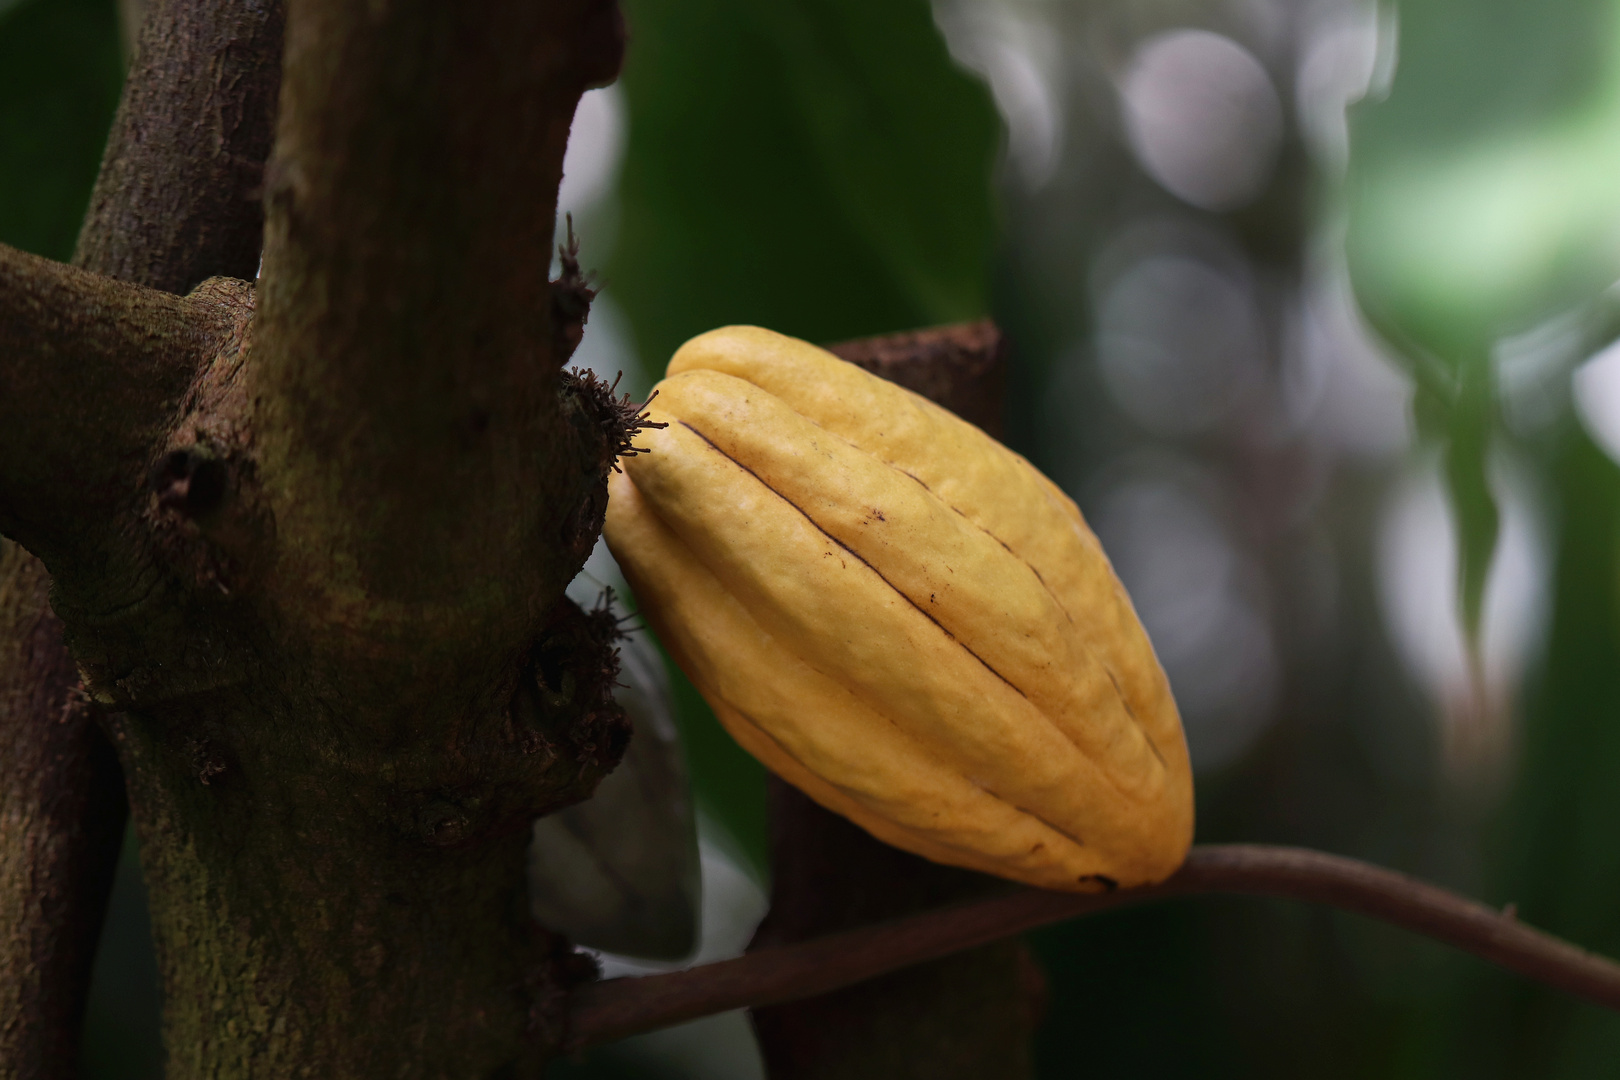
124 355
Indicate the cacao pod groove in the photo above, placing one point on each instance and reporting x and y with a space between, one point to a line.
901 617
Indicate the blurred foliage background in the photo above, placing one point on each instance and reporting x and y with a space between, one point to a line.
1311 303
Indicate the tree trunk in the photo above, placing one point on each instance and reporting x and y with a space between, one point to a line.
966 1016
309 542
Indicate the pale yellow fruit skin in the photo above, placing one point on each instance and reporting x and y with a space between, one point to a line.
901 617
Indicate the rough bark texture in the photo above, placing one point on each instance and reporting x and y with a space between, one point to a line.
61 820
176 203
320 591
404 384
966 1016
178 197
123 356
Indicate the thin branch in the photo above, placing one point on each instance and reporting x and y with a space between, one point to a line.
619 1007
178 198
90 369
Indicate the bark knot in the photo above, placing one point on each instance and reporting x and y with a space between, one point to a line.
191 481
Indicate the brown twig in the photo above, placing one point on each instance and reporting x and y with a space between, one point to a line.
618 1007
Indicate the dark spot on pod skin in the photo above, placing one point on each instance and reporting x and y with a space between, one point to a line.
1108 883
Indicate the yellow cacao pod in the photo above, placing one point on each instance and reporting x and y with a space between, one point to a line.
901 617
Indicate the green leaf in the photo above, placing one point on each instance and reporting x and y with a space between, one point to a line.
1482 187
1482 204
1554 851
820 167
1471 423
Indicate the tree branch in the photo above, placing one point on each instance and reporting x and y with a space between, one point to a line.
176 203
348 665
178 198
404 364
619 1007
91 370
